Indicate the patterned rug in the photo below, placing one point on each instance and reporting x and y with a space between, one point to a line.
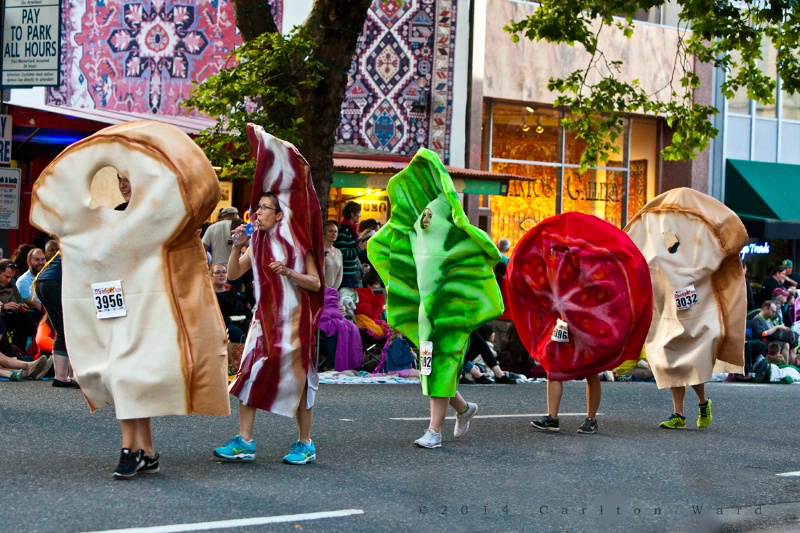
142 55
400 90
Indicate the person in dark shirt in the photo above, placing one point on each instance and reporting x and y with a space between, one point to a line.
349 243
777 275
792 280
237 317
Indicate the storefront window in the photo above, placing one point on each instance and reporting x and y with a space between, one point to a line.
530 200
790 106
523 133
740 103
374 203
768 66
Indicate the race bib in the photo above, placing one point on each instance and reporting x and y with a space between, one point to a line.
560 332
108 299
686 298
425 358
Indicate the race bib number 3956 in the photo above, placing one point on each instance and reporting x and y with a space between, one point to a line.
108 299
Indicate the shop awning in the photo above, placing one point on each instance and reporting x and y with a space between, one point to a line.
763 195
374 172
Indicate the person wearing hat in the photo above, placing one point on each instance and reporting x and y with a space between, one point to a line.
217 238
785 300
792 277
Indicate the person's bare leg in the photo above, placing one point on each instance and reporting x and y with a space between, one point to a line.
438 412
305 417
144 436
458 403
678 396
498 372
593 395
247 421
16 364
474 372
700 390
554 391
61 367
129 434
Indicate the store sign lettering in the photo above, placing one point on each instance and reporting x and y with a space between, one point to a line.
593 190
533 188
755 248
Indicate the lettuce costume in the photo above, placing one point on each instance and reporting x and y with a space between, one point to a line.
439 280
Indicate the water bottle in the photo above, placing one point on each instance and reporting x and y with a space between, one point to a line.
249 229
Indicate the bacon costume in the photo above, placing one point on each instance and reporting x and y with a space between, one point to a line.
279 351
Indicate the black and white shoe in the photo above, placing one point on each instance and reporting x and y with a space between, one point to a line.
149 465
546 423
589 426
129 463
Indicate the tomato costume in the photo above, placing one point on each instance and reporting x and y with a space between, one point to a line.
439 280
582 271
692 240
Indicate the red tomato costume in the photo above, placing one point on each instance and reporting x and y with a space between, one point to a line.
587 273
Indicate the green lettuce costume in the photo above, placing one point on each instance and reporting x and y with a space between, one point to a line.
439 280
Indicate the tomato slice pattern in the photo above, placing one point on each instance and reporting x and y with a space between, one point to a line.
588 273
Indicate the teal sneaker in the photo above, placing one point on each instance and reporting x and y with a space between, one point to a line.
237 450
301 454
675 421
704 414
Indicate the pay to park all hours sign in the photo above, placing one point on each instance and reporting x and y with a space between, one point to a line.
9 197
31 43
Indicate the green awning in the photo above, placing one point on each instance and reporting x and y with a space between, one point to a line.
763 195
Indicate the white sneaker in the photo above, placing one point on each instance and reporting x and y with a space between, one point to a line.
430 439
462 421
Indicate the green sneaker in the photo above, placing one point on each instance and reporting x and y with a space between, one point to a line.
675 421
704 414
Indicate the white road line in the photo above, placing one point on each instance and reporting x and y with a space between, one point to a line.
242 522
789 474
498 416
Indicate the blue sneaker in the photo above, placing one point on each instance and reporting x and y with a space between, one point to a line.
237 450
301 454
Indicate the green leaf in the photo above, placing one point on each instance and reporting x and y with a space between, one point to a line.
439 281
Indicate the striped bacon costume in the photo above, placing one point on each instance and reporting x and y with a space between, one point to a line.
279 351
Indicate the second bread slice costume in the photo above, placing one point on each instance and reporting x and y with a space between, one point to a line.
167 356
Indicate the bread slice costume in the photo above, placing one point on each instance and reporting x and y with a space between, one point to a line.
167 355
691 242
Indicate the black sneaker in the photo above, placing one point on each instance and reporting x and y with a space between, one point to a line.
506 380
588 426
129 463
149 465
484 380
546 423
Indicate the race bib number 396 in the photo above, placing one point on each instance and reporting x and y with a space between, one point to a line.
108 299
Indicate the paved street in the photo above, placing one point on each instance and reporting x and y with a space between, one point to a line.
57 459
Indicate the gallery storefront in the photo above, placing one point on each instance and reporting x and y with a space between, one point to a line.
530 143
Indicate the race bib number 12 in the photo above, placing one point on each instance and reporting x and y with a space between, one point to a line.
686 298
108 299
425 358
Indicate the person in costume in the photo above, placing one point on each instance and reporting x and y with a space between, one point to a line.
580 294
139 313
691 242
278 370
437 268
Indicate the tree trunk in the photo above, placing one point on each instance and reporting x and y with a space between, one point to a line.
336 26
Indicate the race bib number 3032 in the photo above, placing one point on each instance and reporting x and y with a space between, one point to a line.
108 299
686 298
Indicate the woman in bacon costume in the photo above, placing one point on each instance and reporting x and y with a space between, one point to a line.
439 279
278 373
